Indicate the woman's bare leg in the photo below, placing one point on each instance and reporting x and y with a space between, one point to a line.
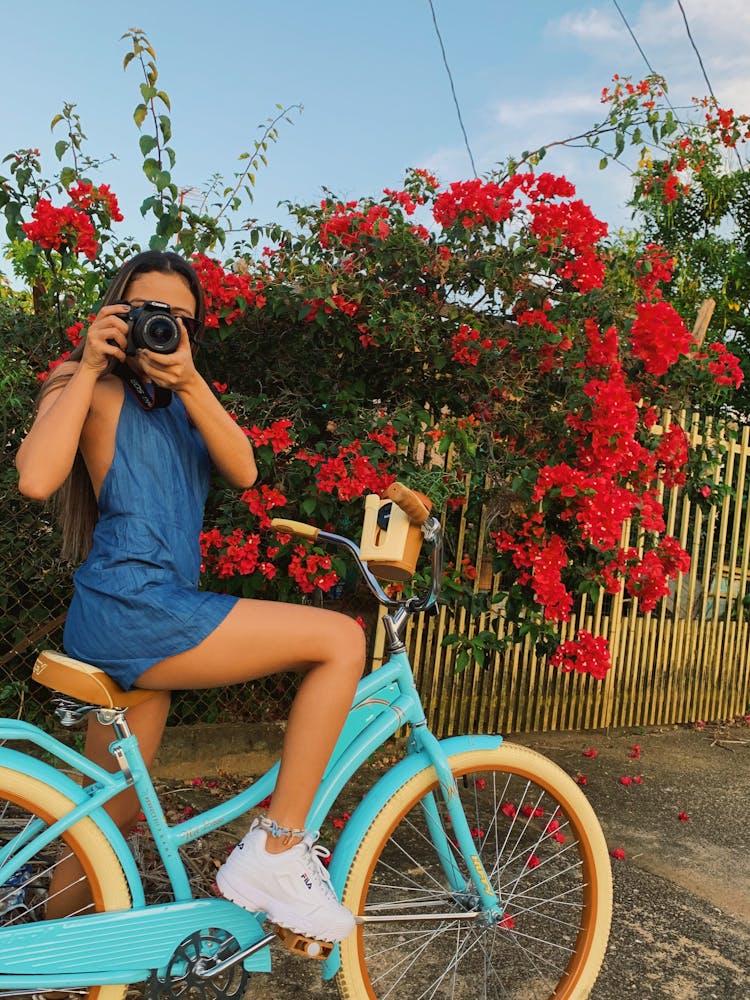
260 638
69 891
257 639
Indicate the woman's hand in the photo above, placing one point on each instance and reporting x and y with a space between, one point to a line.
106 338
174 371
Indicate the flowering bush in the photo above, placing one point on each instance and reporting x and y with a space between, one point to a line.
491 318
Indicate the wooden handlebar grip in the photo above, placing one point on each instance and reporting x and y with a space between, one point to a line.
411 503
297 528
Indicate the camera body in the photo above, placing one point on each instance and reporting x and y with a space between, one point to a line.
153 327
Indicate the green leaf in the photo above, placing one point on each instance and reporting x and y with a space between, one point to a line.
147 143
164 98
603 163
151 169
61 148
139 114
67 176
162 179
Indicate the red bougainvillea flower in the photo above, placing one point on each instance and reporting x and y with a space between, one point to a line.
584 654
683 817
507 922
228 293
626 780
581 779
43 376
528 811
310 570
724 366
532 861
589 753
61 229
276 435
656 266
100 199
618 854
659 336
635 751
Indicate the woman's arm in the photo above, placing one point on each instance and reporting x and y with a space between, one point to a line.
48 451
229 448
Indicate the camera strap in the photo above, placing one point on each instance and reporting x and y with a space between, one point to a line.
161 397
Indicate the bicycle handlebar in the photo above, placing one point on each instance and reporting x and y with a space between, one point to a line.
409 502
417 513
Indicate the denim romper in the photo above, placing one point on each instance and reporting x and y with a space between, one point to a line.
136 598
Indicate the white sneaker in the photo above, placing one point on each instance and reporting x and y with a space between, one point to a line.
292 887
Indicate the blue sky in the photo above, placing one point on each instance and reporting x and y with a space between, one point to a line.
371 78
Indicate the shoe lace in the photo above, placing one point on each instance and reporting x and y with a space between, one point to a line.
317 855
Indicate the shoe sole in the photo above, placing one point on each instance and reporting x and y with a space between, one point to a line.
261 903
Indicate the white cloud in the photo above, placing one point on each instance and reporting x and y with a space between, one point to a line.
594 25
567 105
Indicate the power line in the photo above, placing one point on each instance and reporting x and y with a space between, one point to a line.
453 89
643 54
703 71
695 49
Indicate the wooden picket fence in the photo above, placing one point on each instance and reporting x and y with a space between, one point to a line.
688 660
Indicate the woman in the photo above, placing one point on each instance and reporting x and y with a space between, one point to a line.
128 440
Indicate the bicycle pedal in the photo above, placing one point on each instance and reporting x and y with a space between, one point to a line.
305 947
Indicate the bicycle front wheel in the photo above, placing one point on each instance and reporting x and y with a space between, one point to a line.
545 854
27 806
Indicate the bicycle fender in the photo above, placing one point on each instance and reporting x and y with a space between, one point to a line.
355 829
33 768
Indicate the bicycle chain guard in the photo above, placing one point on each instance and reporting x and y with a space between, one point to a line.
184 977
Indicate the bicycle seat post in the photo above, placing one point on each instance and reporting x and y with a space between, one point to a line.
115 717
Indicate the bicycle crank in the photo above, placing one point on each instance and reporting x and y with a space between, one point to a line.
185 977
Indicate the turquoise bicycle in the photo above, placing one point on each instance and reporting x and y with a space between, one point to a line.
475 869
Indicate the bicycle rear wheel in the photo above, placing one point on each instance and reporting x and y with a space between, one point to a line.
545 854
27 802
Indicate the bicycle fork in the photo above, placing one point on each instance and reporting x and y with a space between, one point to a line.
488 902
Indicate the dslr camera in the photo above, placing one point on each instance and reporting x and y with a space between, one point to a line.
153 327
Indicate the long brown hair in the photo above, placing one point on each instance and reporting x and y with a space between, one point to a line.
75 503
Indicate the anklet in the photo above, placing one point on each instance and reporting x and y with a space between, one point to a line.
273 828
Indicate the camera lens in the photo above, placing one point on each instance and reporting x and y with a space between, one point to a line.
160 334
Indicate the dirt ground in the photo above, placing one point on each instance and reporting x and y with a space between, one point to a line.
681 925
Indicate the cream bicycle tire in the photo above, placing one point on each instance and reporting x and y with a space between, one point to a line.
403 962
105 875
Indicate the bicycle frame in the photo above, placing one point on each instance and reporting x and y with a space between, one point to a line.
385 701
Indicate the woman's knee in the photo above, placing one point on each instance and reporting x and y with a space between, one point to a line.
344 644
